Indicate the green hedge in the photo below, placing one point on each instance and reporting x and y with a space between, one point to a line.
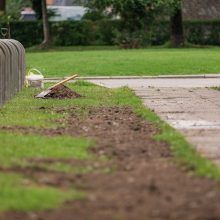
196 32
83 32
28 33
104 32
203 32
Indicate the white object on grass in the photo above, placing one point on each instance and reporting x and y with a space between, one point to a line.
35 78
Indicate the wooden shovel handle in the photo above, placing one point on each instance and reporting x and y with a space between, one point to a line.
63 81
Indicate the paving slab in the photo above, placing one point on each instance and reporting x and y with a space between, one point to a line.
194 112
187 104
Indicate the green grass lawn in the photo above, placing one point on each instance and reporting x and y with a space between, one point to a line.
92 61
16 149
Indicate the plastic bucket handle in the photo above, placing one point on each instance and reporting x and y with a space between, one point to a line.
34 70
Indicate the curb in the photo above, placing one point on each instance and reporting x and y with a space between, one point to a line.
211 76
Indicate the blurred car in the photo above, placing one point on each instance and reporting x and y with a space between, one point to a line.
63 13
28 14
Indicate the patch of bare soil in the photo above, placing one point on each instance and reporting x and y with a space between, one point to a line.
62 92
146 183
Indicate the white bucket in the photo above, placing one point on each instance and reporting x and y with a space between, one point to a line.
35 79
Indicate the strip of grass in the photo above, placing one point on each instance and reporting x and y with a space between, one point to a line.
70 48
16 196
115 62
15 149
25 110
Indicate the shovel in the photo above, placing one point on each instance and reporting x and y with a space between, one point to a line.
46 92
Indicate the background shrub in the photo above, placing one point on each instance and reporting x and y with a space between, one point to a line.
108 32
203 32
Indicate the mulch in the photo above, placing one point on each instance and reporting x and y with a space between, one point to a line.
144 182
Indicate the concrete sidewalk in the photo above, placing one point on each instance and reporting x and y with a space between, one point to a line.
158 82
184 103
195 112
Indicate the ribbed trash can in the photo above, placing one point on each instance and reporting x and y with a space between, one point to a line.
12 68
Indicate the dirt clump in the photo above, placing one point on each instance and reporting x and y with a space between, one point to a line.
144 184
62 92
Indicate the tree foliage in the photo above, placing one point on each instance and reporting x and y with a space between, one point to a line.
138 16
138 12
14 7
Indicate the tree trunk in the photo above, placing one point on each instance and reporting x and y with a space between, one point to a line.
46 41
177 34
2 6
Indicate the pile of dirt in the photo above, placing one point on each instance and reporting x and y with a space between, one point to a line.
143 183
62 92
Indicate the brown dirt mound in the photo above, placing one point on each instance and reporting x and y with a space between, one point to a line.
145 183
62 92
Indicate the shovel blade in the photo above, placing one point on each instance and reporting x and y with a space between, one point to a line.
43 94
